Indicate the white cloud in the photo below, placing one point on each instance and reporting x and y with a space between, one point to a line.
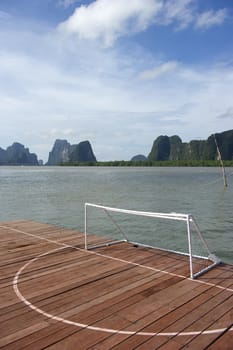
180 11
60 87
116 112
184 13
211 18
67 3
162 69
108 20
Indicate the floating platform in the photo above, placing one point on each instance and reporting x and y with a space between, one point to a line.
56 295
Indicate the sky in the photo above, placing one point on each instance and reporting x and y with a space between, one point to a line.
117 73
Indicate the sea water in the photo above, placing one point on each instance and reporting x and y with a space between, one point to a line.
57 195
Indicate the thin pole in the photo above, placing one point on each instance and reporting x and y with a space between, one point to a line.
221 162
85 226
190 247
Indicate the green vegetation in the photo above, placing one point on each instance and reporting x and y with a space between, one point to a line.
172 148
171 151
159 163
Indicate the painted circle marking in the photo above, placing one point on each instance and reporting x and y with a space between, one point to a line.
94 328
101 329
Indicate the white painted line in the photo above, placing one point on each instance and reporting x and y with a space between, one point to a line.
94 328
101 329
118 259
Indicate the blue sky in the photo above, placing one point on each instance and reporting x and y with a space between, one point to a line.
118 73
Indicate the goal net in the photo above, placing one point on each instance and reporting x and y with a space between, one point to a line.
171 232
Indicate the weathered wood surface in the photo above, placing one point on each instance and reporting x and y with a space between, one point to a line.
56 295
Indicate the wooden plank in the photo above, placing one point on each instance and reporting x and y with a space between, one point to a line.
175 301
214 319
198 313
222 342
119 287
150 317
37 339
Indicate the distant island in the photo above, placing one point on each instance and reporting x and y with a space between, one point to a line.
165 151
173 149
64 152
17 154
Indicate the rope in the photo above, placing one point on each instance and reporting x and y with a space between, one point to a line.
117 226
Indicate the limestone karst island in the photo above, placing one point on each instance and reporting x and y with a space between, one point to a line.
166 150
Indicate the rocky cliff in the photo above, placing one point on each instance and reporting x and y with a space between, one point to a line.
63 152
60 152
82 153
17 154
172 148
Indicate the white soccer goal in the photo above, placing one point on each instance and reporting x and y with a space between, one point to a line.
194 235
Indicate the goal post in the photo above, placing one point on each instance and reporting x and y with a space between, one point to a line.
188 219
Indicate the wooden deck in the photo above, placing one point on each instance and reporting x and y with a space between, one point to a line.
56 295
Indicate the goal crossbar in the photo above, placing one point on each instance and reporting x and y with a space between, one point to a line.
188 218
172 216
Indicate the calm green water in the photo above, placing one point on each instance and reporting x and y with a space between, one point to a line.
57 195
